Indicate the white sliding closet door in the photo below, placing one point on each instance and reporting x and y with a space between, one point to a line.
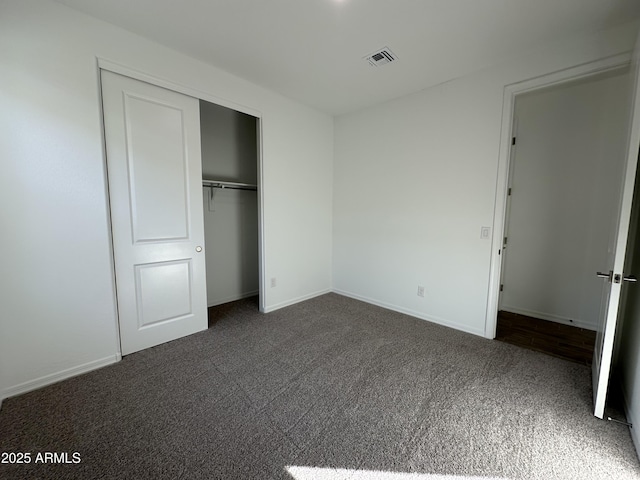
155 177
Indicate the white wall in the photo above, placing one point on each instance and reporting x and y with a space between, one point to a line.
229 144
566 179
230 153
415 180
627 358
627 341
57 304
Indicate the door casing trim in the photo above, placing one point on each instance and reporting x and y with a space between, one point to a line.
511 91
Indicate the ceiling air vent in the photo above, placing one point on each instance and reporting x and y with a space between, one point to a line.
381 57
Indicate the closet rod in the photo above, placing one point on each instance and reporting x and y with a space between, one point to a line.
231 185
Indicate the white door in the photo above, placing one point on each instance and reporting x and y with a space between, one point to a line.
614 275
154 167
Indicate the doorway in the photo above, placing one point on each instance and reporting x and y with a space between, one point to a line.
229 142
565 178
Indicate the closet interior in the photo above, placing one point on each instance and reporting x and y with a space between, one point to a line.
229 141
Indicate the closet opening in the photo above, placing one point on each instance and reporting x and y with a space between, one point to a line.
230 152
566 168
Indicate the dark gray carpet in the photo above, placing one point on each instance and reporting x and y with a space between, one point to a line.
331 388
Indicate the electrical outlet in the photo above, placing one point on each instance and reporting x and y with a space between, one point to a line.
485 233
420 291
273 282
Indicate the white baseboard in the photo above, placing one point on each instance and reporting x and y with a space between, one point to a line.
58 376
550 317
429 318
233 298
293 301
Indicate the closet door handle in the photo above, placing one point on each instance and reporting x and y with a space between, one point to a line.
198 249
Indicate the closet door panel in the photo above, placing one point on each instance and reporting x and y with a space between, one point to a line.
163 292
158 168
155 174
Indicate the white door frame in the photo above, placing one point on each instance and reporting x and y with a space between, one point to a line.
103 64
508 109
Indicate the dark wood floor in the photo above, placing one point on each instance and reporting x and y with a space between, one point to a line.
564 341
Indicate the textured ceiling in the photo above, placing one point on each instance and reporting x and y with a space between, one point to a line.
311 50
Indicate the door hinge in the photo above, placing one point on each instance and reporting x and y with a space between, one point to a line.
504 243
513 140
509 192
502 287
